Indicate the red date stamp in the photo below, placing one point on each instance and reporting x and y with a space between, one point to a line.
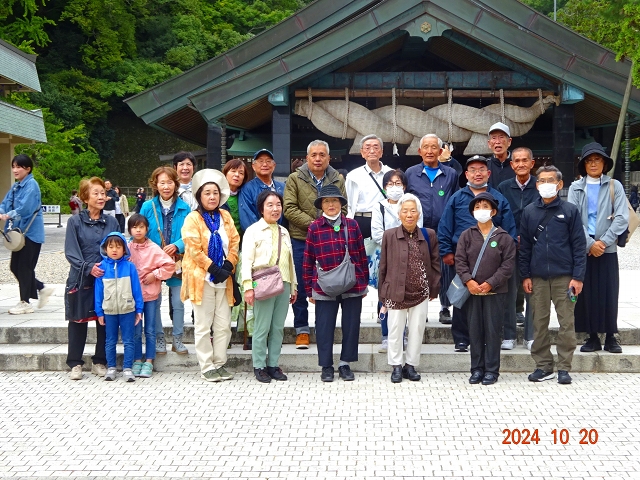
525 436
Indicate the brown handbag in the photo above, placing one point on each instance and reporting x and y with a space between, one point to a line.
267 282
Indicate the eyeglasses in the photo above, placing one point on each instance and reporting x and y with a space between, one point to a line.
395 184
371 148
547 180
473 171
263 161
593 161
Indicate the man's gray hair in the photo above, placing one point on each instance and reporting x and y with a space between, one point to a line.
371 137
522 149
317 143
409 197
431 135
550 168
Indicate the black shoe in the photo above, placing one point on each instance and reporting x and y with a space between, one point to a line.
276 373
540 376
476 377
327 374
396 375
592 344
262 375
489 379
611 345
563 377
345 373
445 316
461 347
409 372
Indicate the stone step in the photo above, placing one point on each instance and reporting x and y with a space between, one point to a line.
435 358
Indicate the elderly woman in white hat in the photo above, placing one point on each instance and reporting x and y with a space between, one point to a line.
211 253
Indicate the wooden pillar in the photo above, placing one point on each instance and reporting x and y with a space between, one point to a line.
564 141
281 139
214 147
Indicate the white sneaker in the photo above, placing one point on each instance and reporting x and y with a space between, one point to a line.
99 369
20 308
43 296
76 373
110 375
529 344
508 344
128 376
383 346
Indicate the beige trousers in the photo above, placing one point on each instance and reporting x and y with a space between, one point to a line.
415 318
214 310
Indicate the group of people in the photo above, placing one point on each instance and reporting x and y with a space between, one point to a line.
217 239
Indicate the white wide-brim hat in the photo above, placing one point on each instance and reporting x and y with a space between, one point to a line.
209 175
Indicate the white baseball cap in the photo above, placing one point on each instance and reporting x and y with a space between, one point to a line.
500 126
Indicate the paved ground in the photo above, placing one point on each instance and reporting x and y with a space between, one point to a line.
175 425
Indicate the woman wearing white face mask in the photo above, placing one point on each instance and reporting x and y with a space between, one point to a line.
383 218
488 287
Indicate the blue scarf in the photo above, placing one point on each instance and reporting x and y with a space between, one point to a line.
215 252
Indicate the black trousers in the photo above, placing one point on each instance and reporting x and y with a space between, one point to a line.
326 315
459 326
23 266
78 340
120 218
365 225
484 313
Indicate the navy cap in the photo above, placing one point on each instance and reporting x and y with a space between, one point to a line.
264 150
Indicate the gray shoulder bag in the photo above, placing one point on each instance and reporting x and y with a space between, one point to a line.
340 279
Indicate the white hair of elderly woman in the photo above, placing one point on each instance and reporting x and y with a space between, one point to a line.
409 197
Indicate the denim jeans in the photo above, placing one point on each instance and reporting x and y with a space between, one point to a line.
149 319
300 307
178 312
124 323
384 321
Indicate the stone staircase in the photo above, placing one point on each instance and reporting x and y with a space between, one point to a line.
37 342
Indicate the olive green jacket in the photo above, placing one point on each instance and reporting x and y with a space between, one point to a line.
299 194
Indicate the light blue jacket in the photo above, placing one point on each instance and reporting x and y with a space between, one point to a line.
611 220
19 203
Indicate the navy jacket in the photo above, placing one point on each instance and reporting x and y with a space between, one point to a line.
432 195
561 249
456 218
500 171
247 201
519 199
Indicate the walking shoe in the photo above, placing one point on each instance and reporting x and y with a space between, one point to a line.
224 375
489 379
345 373
591 344
302 341
445 316
383 346
520 319
461 347
211 376
405 341
396 375
409 372
476 377
127 375
146 370
276 373
177 345
611 345
21 307
563 377
137 366
327 374
110 376
540 376
508 345
161 346
99 369
76 373
529 344
43 296
262 375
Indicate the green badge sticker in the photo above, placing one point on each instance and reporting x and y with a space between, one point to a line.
254 284
494 244
441 193
336 228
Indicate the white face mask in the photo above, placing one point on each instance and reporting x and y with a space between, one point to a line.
394 193
477 187
482 216
547 190
335 217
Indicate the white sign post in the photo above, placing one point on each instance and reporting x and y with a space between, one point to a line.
54 209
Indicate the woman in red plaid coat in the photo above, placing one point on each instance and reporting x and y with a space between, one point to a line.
325 248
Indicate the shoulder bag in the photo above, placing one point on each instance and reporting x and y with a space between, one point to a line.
177 257
458 292
634 220
267 282
79 302
14 238
340 279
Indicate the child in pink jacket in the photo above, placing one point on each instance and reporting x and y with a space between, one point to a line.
153 266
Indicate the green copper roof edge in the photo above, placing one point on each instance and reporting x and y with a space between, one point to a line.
26 118
24 70
153 104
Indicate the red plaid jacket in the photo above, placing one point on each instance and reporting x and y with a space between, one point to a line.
327 247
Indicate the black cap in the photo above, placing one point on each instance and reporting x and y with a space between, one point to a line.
483 196
592 148
329 191
476 158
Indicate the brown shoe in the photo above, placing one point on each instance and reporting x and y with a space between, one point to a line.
302 341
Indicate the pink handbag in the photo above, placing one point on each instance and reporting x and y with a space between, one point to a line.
267 282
